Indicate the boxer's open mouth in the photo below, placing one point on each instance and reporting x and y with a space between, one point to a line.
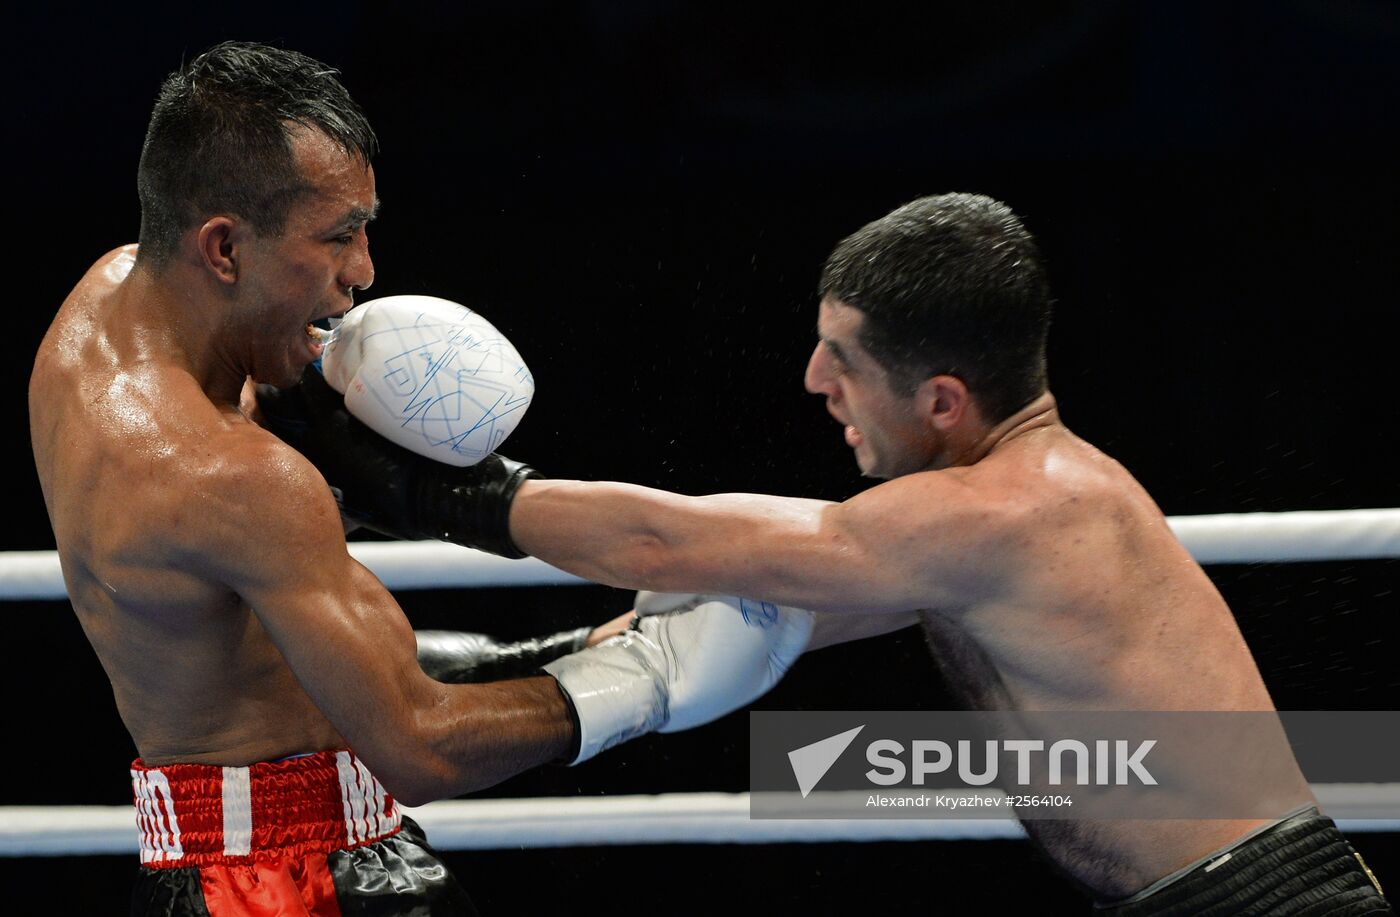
324 330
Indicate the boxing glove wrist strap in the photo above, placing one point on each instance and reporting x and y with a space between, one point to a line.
470 506
457 657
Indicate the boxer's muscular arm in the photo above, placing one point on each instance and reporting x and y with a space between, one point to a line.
273 535
918 541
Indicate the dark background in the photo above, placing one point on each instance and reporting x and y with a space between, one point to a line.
640 195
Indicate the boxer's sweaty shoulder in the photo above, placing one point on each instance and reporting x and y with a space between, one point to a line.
1098 603
123 438
145 480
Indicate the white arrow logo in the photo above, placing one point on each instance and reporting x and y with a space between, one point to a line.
811 762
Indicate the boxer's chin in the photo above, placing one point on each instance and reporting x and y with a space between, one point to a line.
284 377
873 465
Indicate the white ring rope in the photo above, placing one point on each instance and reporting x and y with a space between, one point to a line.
1246 538
1356 534
676 818
486 824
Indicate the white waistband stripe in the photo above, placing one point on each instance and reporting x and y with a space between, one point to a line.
238 812
155 817
368 812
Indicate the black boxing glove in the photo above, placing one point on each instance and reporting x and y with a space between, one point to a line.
387 488
457 657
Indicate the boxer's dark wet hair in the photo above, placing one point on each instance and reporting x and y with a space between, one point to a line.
219 141
952 284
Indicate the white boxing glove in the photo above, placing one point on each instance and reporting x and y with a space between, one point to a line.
430 375
688 660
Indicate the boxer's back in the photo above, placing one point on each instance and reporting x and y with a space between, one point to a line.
134 459
1099 607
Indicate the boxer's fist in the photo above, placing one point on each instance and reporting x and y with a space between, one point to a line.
704 658
430 375
385 487
729 654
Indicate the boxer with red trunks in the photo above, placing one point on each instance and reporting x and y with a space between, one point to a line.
271 684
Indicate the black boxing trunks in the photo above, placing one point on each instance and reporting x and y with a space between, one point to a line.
312 835
1300 864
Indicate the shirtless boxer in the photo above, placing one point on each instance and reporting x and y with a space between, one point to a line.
1045 578
248 652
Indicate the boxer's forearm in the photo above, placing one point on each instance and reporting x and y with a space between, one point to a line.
476 736
640 538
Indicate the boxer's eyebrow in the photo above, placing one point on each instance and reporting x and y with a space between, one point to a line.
359 215
835 349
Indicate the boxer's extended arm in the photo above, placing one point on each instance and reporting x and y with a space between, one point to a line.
909 543
915 542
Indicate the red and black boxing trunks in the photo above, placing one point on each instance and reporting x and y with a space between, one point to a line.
312 835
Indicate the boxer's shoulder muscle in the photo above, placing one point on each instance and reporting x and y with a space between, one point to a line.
255 501
945 512
973 534
81 308
1057 482
158 491
113 266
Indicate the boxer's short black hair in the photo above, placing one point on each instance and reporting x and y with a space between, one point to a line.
950 284
219 142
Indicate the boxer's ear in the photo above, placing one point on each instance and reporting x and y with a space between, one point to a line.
944 401
215 241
